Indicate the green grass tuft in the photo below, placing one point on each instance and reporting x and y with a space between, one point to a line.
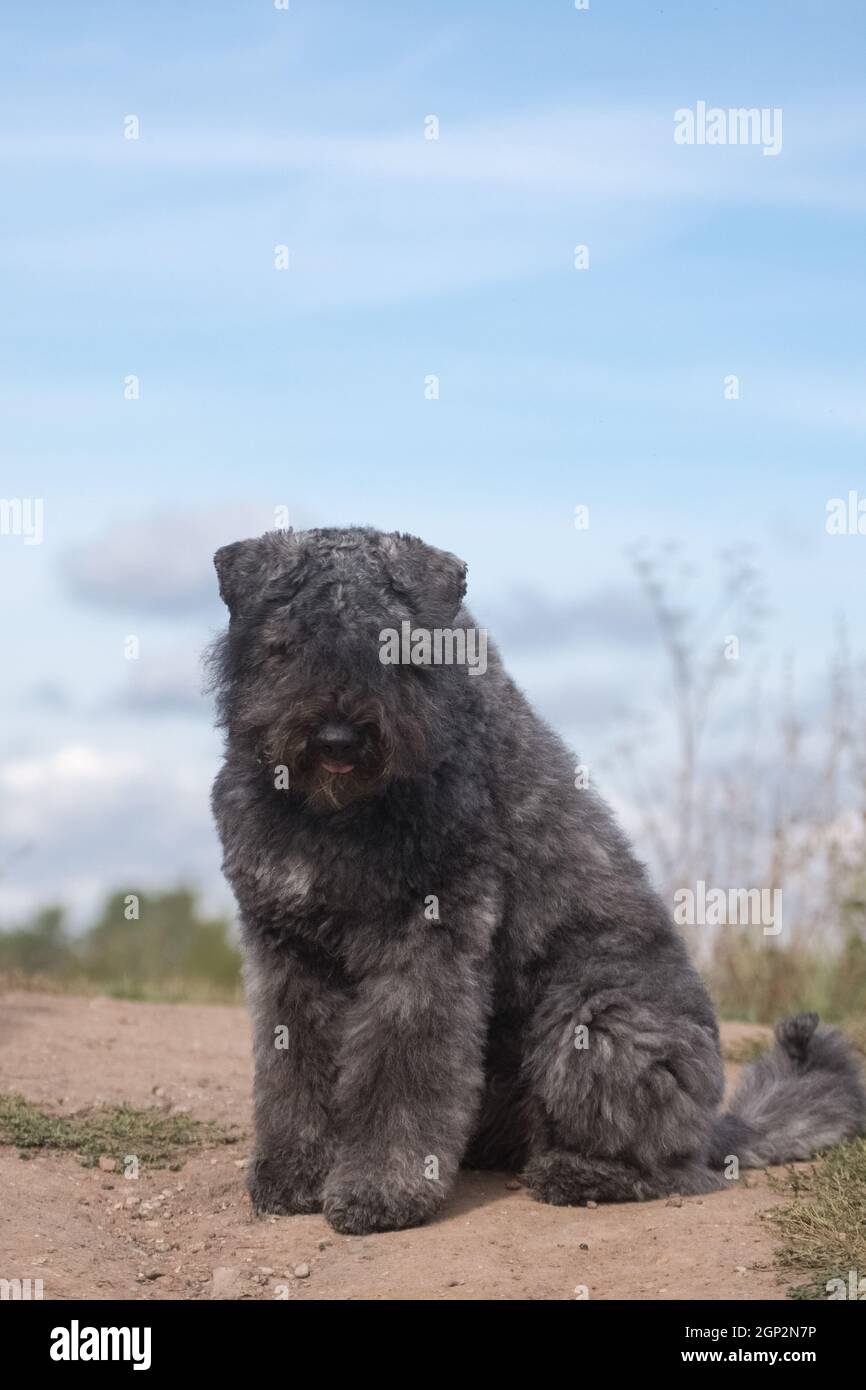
824 1228
155 1137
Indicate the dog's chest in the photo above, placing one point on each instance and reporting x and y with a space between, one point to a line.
326 886
328 878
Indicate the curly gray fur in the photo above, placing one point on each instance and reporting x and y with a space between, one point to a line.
391 1044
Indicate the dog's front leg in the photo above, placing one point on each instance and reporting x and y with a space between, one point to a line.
409 1075
296 1016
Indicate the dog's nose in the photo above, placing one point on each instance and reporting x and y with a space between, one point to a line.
337 738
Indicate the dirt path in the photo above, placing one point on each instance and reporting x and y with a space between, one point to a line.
191 1234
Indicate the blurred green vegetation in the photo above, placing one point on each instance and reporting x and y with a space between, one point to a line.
171 950
141 946
758 980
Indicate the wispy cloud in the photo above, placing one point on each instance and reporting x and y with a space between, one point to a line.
165 682
601 618
386 217
162 563
627 154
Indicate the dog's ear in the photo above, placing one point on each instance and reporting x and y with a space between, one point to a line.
228 563
245 566
434 581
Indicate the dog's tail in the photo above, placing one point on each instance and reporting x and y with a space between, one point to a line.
804 1095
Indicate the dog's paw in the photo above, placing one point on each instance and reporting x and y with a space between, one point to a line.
564 1178
357 1206
279 1189
558 1179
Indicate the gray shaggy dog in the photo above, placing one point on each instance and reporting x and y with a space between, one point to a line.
452 955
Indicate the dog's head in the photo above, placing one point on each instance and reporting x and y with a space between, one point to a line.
299 675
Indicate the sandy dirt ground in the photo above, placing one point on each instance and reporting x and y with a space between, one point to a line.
191 1234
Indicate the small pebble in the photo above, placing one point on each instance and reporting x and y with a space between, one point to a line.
301 1271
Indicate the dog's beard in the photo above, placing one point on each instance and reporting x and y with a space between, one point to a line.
331 791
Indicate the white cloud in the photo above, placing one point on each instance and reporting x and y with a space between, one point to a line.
162 563
63 778
80 820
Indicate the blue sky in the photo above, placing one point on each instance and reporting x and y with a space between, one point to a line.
408 257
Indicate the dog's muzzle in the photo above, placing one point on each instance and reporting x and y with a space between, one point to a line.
338 747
